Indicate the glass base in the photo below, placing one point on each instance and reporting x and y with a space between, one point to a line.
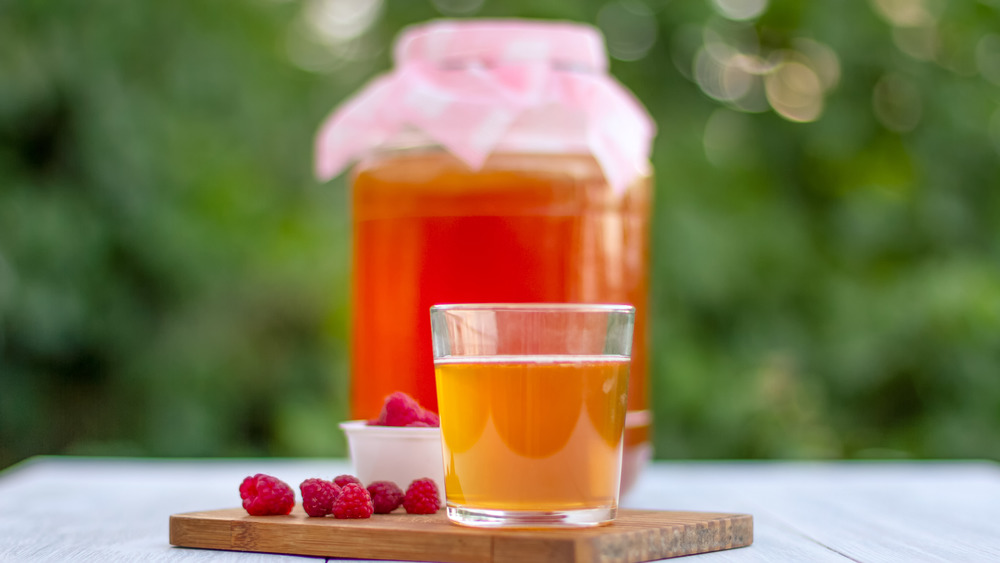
485 518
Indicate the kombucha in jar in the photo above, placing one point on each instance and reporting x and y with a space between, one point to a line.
555 209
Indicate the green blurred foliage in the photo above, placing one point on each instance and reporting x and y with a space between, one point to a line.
174 282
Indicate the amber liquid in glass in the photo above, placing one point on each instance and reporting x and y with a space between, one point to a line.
538 433
524 228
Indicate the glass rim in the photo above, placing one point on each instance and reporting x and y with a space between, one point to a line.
537 307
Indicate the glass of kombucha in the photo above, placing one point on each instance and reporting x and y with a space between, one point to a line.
532 399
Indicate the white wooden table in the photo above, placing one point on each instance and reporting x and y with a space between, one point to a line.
82 509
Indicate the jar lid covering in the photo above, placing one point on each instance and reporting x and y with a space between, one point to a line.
463 83
491 42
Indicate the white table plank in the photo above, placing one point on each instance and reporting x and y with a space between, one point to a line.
720 487
864 511
58 509
61 509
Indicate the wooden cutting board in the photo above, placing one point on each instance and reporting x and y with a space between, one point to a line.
635 536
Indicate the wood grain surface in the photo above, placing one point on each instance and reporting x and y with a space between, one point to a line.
635 536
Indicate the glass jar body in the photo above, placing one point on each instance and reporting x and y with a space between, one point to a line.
527 226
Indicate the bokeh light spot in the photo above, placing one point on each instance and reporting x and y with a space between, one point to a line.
730 74
754 100
897 104
736 80
716 74
716 45
331 33
822 59
629 27
908 13
308 54
740 10
337 21
920 42
795 92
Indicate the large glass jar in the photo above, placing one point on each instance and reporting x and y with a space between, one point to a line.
536 213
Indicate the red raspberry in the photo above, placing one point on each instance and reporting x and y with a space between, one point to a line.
264 495
342 480
427 419
318 496
401 409
386 496
431 418
353 502
422 497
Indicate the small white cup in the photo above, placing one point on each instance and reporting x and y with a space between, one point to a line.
394 453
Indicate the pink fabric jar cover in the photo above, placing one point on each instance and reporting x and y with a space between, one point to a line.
464 83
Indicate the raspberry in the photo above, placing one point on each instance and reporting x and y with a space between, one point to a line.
431 418
264 495
342 480
386 496
353 502
401 409
422 497
318 496
427 419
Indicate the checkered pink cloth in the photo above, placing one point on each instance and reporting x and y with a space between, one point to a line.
464 83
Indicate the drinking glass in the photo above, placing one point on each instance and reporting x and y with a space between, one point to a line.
532 400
